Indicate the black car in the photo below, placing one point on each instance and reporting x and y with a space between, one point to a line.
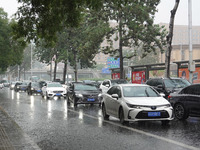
186 102
81 93
34 88
168 85
21 87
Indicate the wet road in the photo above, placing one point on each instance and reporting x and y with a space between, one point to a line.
53 125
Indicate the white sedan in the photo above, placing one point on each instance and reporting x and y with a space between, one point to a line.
136 102
52 89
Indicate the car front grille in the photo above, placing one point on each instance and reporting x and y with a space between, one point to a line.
144 115
57 91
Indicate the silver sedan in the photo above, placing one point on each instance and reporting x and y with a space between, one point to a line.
136 102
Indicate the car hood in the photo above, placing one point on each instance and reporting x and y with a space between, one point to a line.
55 88
147 101
88 92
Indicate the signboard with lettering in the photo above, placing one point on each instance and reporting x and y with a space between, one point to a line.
184 73
113 63
138 77
115 75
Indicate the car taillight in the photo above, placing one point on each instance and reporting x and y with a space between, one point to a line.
169 96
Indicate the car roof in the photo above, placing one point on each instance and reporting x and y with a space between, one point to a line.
130 84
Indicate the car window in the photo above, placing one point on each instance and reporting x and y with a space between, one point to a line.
139 91
54 85
105 82
84 87
114 82
111 90
169 83
194 90
181 83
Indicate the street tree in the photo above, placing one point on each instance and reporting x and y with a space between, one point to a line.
134 28
11 49
44 18
169 39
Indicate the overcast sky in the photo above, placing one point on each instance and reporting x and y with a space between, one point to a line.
162 16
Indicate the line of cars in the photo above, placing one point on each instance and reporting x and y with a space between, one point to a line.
132 102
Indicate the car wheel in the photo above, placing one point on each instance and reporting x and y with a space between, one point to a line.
105 115
121 116
180 112
75 103
165 122
47 95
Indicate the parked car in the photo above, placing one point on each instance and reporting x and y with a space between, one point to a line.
1 86
34 88
168 85
186 102
21 86
52 89
106 84
12 85
136 102
5 83
81 93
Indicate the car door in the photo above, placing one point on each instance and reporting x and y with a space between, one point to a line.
193 99
108 100
116 102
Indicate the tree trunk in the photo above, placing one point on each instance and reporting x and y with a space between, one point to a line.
55 69
75 66
120 48
64 72
169 39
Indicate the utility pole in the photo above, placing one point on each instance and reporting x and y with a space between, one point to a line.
191 63
31 60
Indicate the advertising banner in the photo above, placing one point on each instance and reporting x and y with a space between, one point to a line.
115 75
184 73
138 77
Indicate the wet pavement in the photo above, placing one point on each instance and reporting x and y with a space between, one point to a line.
31 122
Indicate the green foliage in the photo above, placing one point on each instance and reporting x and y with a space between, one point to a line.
44 18
11 50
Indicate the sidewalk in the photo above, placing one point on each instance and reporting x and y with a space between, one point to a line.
12 136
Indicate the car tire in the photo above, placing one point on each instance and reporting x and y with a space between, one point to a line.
75 103
105 115
47 95
121 116
180 112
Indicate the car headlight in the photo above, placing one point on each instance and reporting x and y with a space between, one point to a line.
79 95
133 106
167 105
100 95
32 88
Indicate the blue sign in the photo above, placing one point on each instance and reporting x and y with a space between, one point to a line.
113 63
106 71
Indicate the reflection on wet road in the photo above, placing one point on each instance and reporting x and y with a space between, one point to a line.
52 124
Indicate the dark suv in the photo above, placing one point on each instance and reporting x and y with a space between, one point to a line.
168 85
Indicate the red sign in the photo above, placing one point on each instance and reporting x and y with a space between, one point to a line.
138 77
115 75
184 73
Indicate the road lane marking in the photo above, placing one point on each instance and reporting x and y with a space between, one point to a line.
142 132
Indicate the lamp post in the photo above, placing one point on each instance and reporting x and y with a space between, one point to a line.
191 64
31 60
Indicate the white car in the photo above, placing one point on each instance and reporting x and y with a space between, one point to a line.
52 89
106 84
136 102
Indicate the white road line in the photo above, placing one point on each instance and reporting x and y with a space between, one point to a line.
142 132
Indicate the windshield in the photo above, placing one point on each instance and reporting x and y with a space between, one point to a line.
181 83
176 83
35 84
54 85
84 87
114 82
139 91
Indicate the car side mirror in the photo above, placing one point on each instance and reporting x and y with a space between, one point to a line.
115 96
162 94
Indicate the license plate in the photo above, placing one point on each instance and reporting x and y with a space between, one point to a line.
153 114
38 90
90 99
58 94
